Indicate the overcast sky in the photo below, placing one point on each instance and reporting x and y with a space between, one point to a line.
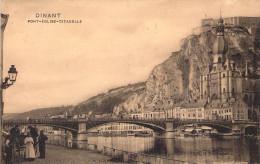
118 42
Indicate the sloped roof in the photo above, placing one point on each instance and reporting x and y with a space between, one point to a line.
240 102
215 104
189 129
219 104
199 103
148 110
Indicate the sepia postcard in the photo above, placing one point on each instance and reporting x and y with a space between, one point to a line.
130 81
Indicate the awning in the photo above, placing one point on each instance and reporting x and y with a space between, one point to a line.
206 128
189 130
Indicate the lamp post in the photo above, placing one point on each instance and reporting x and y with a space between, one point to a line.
12 74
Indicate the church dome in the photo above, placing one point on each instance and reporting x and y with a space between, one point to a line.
220 45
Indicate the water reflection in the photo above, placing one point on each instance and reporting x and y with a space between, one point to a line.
130 144
208 150
193 149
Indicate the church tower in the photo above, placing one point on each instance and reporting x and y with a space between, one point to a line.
215 82
219 47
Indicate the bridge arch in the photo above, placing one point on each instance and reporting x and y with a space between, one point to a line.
219 127
251 130
158 125
154 127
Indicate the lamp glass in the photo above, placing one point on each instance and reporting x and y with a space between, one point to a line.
12 74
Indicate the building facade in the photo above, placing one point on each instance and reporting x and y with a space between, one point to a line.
235 21
224 86
121 128
252 24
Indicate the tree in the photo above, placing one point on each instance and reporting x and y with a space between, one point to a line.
232 51
109 103
247 48
257 39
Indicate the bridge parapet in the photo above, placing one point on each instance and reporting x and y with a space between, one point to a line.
155 124
186 121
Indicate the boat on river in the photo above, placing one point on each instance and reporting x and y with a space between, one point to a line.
233 133
143 134
130 133
190 135
190 132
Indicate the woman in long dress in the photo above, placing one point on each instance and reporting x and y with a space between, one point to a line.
29 149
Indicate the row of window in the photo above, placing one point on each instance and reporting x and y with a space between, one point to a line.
189 115
224 75
194 115
226 117
219 111
131 127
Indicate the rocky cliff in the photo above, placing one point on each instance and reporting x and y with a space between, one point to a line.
177 79
121 99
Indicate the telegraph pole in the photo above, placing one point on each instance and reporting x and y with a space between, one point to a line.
4 19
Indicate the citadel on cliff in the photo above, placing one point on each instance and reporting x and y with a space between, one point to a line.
224 85
215 75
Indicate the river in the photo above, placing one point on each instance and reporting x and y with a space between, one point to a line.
190 149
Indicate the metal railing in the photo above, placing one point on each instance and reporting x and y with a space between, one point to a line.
101 120
126 156
111 120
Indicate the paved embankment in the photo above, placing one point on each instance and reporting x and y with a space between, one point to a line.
62 155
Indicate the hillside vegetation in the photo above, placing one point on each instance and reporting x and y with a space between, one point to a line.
105 103
99 104
38 113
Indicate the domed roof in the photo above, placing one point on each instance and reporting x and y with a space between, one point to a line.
220 45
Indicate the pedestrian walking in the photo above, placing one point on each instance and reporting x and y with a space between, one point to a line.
29 148
8 150
34 135
41 140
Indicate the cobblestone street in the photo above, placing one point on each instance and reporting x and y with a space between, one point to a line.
62 155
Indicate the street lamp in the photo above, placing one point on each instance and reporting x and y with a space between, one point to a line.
12 74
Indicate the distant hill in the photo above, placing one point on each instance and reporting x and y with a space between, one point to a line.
7 116
99 104
38 113
105 102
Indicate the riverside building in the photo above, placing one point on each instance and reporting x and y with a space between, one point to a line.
121 129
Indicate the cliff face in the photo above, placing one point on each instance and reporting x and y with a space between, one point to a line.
177 79
122 99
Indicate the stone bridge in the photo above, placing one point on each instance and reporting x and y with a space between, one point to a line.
158 125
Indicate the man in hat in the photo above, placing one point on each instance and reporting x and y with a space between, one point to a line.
15 132
41 140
